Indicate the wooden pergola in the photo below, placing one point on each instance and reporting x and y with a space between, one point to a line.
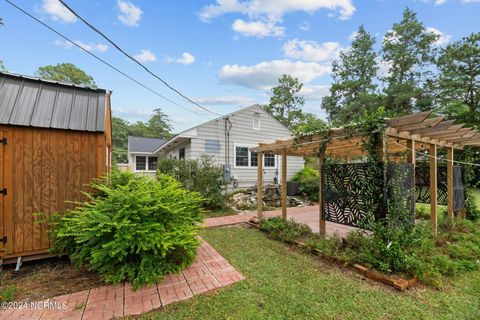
403 136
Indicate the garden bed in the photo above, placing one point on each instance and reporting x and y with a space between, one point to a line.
39 280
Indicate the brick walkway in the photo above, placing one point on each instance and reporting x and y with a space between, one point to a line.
209 272
307 215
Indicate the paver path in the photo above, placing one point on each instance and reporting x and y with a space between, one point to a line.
209 272
307 215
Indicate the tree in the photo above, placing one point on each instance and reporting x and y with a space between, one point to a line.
158 126
285 104
353 91
459 80
310 123
66 72
408 51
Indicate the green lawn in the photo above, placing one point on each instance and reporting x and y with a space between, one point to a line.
283 283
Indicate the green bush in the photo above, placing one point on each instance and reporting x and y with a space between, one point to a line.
201 176
131 228
284 230
308 179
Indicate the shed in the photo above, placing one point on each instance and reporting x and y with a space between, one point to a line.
54 139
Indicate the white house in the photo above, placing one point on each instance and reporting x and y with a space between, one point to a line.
226 140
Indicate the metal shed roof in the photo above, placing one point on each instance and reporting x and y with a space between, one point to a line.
28 101
147 145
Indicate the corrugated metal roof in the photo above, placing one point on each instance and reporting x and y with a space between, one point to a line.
27 101
147 145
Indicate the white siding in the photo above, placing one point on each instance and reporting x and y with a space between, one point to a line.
242 133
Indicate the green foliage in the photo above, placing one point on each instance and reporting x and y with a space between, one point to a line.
308 179
131 228
283 230
353 90
408 50
285 104
459 80
158 126
66 72
7 294
202 176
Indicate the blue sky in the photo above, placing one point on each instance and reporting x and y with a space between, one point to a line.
225 54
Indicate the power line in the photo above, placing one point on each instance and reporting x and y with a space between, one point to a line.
97 57
135 60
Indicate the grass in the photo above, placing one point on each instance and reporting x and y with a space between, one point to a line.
219 213
284 283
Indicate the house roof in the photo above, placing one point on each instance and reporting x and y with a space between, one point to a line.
184 134
144 145
29 101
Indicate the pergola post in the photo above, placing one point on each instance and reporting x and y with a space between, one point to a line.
284 184
450 183
260 186
411 158
322 225
433 187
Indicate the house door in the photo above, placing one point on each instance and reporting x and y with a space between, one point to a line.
2 193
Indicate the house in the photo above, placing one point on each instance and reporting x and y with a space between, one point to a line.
227 140
54 139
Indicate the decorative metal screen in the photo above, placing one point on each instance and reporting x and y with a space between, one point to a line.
422 185
349 197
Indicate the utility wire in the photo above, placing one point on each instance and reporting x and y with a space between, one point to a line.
97 57
135 60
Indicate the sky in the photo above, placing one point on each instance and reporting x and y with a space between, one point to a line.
223 54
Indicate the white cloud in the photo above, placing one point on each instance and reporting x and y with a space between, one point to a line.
315 92
145 55
258 29
305 26
440 2
130 14
57 11
442 37
311 50
225 101
352 35
274 8
265 75
186 59
383 67
100 47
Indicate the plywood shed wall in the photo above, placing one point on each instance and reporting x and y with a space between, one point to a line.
55 139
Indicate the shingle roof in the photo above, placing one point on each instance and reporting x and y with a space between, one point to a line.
28 101
147 145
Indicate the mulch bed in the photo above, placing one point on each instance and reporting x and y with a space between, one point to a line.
43 279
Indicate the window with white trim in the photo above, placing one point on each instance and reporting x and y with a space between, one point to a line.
145 163
241 156
269 160
253 159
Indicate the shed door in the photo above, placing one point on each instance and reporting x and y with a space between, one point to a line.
2 193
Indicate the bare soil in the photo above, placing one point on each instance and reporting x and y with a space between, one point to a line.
43 279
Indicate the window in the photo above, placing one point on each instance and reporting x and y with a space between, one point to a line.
152 163
269 160
181 154
241 156
140 163
144 163
256 123
253 159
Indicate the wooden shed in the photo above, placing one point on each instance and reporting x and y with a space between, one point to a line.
54 139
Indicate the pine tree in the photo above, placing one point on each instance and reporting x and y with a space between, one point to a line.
353 91
408 50
459 80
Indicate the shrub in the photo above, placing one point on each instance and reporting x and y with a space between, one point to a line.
283 230
201 176
131 228
308 179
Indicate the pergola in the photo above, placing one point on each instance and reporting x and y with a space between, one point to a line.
403 136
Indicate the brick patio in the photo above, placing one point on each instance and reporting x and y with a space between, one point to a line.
307 215
209 272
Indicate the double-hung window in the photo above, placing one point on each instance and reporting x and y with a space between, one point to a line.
244 158
241 156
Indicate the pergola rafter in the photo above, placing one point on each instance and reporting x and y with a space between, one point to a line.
403 136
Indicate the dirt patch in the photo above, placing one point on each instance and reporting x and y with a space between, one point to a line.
38 280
